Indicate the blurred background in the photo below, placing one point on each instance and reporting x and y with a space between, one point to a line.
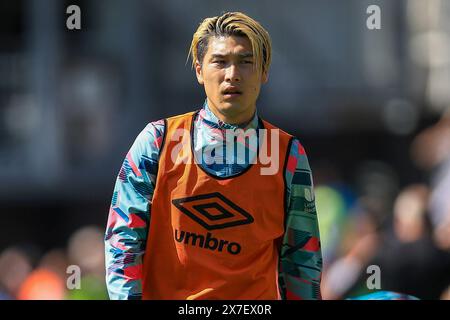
371 108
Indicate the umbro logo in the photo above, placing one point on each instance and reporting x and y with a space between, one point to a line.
213 211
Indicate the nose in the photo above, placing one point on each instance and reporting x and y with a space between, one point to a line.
232 73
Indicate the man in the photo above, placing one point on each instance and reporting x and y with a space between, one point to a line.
190 217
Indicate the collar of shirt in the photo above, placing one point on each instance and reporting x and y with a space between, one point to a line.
210 119
211 144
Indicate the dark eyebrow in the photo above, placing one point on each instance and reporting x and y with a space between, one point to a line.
221 56
246 55
241 55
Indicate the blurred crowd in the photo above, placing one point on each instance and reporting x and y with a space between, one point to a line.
73 273
404 231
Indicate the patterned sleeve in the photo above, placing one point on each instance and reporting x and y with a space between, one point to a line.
129 214
301 256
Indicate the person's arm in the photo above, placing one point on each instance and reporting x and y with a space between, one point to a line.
301 256
129 214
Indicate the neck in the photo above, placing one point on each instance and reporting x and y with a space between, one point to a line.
235 119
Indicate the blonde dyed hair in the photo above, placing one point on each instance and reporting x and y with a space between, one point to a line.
233 24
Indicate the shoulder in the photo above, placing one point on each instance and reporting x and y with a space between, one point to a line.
297 149
186 115
152 137
297 152
268 125
297 160
297 164
153 133
149 140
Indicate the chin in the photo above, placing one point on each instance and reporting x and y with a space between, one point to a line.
229 106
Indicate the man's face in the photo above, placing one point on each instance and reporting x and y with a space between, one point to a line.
230 77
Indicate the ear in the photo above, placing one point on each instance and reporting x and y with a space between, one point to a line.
198 72
264 77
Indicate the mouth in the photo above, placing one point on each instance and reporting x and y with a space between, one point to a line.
231 92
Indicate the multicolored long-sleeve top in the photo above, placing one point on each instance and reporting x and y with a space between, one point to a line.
130 211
